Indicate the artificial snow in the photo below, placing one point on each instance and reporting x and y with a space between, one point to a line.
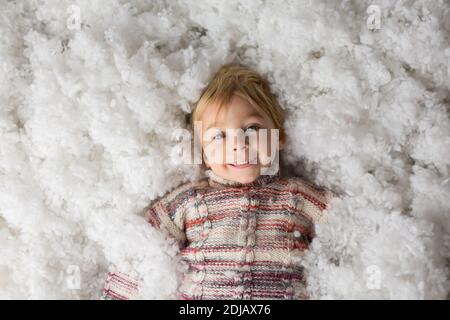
91 93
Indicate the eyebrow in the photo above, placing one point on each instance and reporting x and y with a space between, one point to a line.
253 115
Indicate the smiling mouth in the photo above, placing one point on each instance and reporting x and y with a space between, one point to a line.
241 165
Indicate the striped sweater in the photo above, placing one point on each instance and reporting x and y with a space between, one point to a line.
241 241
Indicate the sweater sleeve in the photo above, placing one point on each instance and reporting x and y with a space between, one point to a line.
169 211
313 202
119 286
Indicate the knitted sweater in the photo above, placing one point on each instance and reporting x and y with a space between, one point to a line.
241 241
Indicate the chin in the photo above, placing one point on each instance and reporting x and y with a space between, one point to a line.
246 180
244 176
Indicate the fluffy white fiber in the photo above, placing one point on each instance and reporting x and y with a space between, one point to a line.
88 109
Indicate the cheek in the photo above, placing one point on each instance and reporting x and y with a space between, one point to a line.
220 169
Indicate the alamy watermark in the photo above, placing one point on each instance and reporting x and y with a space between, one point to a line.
373 21
373 281
73 21
70 278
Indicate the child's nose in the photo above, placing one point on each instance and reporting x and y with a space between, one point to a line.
239 145
238 141
242 146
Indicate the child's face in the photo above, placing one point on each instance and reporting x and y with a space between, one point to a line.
221 148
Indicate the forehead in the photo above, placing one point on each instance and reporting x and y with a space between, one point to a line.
238 108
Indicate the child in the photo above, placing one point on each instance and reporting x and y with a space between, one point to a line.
243 229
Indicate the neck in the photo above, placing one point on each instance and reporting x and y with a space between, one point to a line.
216 180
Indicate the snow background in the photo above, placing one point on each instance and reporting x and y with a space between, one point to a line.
89 107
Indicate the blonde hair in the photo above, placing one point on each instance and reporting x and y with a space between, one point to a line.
236 79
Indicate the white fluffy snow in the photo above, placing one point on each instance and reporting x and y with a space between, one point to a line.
88 107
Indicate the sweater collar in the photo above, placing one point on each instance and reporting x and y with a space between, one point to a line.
215 180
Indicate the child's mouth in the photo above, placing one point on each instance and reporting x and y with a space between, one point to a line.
241 165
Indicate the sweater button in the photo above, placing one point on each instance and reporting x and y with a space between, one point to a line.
297 234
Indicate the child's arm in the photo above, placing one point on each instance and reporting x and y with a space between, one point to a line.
166 213
161 216
310 200
169 212
119 286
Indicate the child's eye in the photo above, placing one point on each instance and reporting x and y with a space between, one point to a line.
213 134
217 136
252 128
